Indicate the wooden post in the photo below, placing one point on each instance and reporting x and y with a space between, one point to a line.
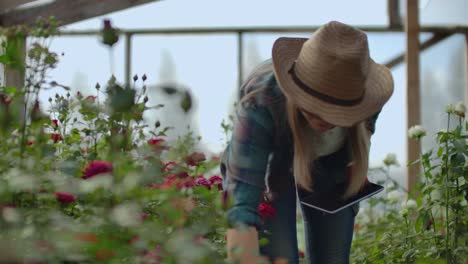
393 8
466 68
412 88
240 57
128 57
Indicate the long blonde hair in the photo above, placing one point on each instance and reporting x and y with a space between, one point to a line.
358 137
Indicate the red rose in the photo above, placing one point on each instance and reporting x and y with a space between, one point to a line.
216 181
301 254
195 158
56 137
65 197
96 167
266 210
169 166
155 141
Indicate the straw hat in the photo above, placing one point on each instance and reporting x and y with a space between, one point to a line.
332 75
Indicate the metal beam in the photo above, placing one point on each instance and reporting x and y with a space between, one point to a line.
436 38
6 5
260 30
412 90
67 12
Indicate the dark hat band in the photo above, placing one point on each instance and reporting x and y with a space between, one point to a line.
321 96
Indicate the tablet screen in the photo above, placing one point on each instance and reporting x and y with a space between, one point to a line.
330 203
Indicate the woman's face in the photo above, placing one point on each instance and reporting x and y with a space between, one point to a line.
315 122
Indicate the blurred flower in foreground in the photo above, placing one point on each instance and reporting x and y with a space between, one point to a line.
266 210
96 167
394 195
64 197
409 204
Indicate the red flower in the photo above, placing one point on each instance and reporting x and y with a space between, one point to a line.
266 210
169 166
55 122
65 197
56 137
301 253
216 181
155 141
202 181
30 143
195 158
96 167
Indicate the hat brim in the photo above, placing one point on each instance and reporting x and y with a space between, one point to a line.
379 87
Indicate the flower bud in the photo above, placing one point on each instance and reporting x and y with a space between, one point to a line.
145 99
144 77
460 109
98 86
135 78
390 159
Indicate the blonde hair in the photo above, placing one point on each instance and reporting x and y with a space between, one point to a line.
358 137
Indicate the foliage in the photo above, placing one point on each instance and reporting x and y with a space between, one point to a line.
90 181
430 226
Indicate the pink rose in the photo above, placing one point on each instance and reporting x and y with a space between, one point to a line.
195 158
216 181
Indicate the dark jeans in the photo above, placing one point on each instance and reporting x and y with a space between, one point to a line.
328 236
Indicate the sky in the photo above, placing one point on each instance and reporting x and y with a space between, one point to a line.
207 64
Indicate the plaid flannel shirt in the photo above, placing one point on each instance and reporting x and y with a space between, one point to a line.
247 155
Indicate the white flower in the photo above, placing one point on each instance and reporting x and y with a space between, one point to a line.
449 109
409 204
463 203
394 195
416 132
389 185
390 159
436 195
11 215
127 214
94 183
461 180
460 109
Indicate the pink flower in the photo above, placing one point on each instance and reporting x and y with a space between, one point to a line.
96 167
266 210
216 181
65 197
202 181
195 158
55 122
91 98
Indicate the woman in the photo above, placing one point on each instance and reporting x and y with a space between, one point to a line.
303 124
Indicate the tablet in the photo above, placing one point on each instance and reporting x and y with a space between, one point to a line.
331 204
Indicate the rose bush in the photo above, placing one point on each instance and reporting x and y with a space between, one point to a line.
90 182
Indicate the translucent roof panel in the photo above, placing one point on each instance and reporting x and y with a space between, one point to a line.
215 13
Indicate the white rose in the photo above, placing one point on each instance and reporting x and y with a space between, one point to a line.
416 132
390 159
461 180
409 204
449 108
436 195
11 215
394 195
127 214
460 109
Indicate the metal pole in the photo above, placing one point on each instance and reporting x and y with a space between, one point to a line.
240 61
128 57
